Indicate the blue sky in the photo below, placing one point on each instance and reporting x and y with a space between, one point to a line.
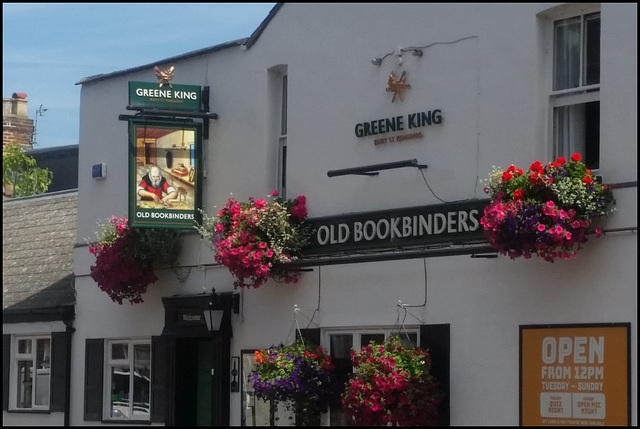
48 48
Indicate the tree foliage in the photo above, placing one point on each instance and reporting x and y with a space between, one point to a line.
21 171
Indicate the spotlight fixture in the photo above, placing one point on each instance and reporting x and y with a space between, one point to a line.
377 61
416 52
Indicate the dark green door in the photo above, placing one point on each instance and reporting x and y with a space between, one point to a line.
193 382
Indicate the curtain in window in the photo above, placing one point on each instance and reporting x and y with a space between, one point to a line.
567 54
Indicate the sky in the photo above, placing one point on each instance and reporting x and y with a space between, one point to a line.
47 48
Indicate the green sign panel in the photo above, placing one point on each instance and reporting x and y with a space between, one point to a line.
174 97
454 223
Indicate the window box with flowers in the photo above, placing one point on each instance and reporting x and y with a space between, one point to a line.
298 375
125 258
547 211
256 239
392 385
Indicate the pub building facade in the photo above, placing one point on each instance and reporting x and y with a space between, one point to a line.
387 118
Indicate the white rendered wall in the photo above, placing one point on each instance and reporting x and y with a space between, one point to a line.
493 100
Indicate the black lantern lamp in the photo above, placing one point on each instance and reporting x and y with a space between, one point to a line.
218 304
214 312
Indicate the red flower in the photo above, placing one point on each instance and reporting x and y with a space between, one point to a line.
518 194
245 237
576 157
537 167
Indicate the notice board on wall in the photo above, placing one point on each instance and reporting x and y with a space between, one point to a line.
575 375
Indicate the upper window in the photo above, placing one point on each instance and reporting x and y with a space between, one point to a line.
31 374
575 96
128 379
282 142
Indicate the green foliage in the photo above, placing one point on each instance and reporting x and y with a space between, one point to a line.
22 172
159 245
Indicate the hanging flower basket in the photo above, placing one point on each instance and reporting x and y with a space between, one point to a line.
298 375
256 239
125 258
547 211
392 384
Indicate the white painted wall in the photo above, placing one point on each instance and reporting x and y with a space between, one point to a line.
491 90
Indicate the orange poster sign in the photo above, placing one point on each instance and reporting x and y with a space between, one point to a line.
575 375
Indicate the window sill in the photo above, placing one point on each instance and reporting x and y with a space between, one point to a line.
29 411
127 422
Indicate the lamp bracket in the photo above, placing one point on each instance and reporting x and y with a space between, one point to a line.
373 170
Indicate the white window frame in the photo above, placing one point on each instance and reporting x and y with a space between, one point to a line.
16 358
577 96
281 170
129 361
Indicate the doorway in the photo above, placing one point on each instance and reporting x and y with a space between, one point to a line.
193 401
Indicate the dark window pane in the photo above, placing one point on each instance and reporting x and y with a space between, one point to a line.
365 339
592 49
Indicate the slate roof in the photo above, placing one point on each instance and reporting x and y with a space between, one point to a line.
38 238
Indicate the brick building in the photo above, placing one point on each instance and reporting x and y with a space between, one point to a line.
17 127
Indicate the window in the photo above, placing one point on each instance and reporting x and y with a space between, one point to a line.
575 96
31 374
128 379
341 342
255 411
282 142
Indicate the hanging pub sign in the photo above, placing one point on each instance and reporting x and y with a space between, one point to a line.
168 96
575 375
164 173
455 223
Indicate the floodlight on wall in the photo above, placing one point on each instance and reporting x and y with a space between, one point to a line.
378 60
416 52
373 170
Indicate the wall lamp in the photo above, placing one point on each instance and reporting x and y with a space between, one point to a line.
218 304
373 170
378 61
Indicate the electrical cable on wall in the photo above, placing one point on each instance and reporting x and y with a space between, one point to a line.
427 183
319 290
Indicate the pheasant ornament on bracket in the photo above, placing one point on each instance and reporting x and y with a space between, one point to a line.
165 76
397 86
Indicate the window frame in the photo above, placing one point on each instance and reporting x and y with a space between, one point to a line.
32 356
357 333
130 360
563 101
281 169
